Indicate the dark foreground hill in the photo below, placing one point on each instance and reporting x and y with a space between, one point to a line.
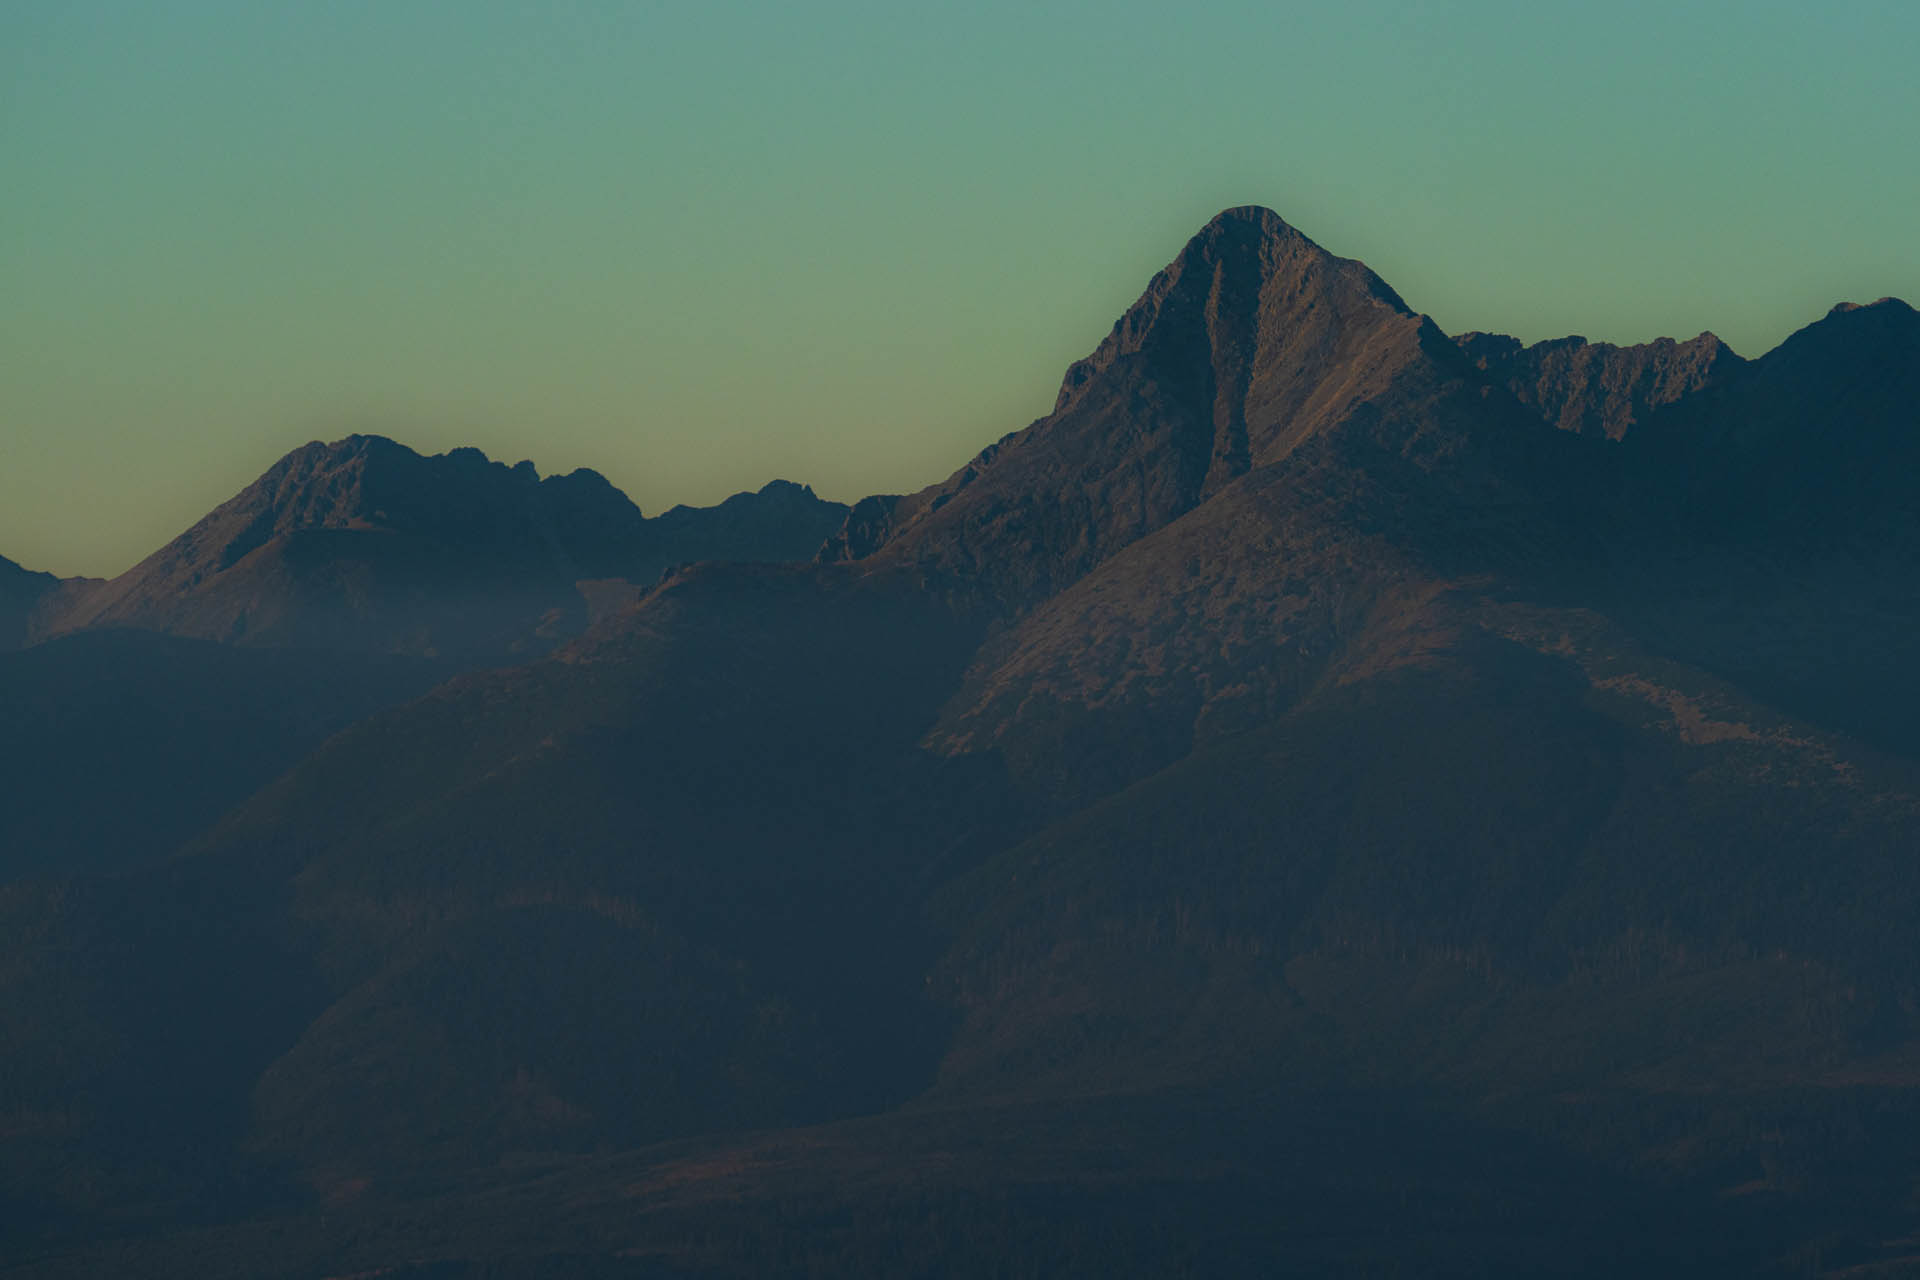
1293 810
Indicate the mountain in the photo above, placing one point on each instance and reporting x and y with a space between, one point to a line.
1770 538
363 545
1810 440
1252 346
1291 810
1268 451
20 591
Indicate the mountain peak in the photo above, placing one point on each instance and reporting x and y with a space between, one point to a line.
1247 221
1252 343
1256 229
1214 293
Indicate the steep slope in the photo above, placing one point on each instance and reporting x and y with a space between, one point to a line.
1596 388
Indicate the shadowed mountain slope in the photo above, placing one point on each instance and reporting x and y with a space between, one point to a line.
1772 534
1814 441
119 745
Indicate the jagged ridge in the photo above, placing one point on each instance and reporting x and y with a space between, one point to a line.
1596 388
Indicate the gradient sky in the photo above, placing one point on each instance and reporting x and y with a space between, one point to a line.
698 245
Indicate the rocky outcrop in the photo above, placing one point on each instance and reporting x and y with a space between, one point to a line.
1596 388
867 527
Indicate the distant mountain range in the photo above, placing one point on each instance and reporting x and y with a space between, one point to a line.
1329 798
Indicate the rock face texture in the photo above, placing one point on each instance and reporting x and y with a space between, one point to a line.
364 545
1596 388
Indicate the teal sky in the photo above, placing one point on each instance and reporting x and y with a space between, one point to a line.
699 245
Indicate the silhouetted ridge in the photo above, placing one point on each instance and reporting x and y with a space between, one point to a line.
1822 432
1890 304
781 522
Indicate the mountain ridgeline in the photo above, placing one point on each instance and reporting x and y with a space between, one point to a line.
1329 798
365 545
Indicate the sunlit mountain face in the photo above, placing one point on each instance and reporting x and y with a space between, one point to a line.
1330 798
